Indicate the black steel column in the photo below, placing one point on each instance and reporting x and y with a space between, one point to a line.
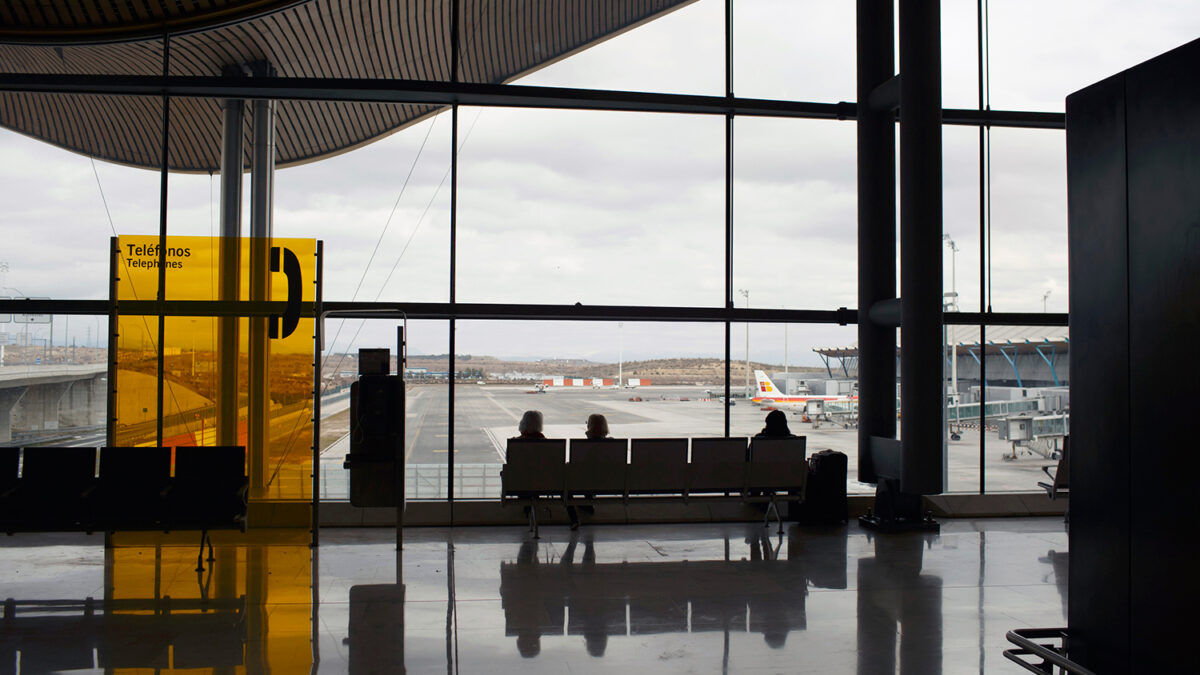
921 246
876 232
164 167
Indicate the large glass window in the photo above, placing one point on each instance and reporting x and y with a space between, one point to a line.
383 211
776 45
1027 406
1028 261
595 208
795 220
649 57
649 380
1034 65
427 423
590 207
53 380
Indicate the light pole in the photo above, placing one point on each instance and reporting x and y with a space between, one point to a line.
950 304
746 294
785 357
193 349
1044 297
25 329
953 271
620 353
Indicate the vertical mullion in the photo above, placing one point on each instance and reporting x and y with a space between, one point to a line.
162 237
728 197
453 255
318 327
983 196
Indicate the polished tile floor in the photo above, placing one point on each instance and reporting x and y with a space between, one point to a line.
623 598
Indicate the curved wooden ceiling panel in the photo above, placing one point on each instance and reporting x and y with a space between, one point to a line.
393 39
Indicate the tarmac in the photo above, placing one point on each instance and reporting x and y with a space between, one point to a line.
487 415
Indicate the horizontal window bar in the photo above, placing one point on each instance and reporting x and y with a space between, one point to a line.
479 94
504 311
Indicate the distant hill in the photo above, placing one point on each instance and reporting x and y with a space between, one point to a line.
658 371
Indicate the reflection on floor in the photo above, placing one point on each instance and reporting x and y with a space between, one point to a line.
666 598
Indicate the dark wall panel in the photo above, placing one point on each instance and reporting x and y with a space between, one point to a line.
1098 609
1163 140
1133 163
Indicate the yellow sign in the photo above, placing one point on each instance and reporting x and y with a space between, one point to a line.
227 380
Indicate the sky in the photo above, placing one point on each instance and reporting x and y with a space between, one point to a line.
626 208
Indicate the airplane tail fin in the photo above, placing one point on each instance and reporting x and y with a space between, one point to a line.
766 388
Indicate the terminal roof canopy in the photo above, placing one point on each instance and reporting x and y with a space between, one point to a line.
387 39
997 337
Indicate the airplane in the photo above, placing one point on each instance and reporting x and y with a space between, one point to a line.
769 394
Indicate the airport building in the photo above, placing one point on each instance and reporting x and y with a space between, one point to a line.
224 461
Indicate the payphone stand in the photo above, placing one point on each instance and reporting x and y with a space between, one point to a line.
376 459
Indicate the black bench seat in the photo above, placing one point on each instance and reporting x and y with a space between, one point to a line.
59 490
647 470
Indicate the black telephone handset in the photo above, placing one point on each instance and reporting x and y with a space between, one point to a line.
291 313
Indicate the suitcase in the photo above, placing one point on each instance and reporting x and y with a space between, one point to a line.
825 494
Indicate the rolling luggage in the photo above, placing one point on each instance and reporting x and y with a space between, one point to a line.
825 494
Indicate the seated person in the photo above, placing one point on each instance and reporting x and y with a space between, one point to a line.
530 425
776 426
597 427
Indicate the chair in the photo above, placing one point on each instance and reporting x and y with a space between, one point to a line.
597 466
1059 484
208 493
718 465
10 459
657 465
55 487
534 468
132 488
209 490
777 464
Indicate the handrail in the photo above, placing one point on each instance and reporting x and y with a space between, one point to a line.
1051 656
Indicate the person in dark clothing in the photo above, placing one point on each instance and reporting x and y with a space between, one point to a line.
776 426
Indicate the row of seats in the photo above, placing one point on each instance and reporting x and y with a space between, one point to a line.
654 466
59 489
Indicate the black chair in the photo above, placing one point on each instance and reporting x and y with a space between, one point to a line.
208 493
209 490
55 489
132 488
10 459
1058 484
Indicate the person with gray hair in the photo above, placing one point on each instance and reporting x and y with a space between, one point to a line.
531 425
597 427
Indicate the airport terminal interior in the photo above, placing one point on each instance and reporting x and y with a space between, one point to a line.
476 336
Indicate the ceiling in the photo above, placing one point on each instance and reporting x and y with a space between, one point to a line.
376 39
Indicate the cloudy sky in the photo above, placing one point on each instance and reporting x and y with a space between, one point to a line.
622 208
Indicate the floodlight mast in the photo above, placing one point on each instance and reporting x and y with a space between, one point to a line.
950 304
746 294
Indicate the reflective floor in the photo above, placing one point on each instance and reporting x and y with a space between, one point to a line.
654 598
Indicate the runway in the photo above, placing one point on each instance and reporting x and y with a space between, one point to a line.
487 415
